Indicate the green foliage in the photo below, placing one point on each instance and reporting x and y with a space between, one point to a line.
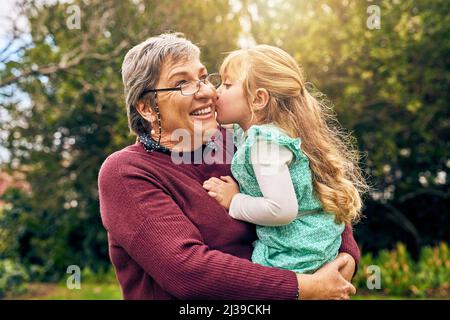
106 275
88 291
77 118
402 276
389 87
12 277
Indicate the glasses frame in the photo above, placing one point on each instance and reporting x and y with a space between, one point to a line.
181 90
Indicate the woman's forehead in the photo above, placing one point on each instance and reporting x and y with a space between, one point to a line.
185 66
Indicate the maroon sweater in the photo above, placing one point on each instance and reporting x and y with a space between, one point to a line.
169 240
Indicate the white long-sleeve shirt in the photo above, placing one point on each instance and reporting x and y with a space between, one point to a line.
279 205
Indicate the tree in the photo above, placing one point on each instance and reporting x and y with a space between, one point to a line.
76 116
390 87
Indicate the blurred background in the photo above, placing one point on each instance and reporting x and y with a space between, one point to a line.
384 65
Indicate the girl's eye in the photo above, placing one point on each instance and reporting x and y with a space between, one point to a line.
227 85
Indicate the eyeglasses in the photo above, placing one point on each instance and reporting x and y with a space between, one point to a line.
191 87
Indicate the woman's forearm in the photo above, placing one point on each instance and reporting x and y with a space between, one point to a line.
188 269
349 245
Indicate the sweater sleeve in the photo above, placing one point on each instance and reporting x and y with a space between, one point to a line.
144 219
278 205
349 245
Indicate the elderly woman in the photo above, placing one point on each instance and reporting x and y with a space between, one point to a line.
167 238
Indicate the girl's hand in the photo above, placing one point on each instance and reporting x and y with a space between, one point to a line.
222 189
326 283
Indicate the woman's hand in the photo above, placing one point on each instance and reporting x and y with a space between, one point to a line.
222 189
348 270
327 283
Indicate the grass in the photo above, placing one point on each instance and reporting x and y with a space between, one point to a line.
88 291
111 291
384 297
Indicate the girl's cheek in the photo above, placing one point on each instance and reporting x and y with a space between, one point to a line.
223 96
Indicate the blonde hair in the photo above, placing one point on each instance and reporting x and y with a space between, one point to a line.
337 179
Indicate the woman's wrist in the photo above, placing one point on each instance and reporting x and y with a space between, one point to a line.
306 288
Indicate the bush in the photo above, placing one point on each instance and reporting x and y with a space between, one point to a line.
402 276
102 276
12 277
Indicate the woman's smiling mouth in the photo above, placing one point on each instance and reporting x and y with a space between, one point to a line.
202 113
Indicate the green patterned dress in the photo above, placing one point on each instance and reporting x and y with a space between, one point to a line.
314 237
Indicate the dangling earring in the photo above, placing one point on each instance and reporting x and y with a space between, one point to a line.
152 119
147 140
159 121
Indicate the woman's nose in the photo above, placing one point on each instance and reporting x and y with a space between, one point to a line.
206 91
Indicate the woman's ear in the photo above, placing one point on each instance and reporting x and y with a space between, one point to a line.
145 111
261 99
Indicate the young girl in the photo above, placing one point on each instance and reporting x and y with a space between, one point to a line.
299 180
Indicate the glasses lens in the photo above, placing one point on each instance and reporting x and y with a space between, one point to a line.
189 88
214 79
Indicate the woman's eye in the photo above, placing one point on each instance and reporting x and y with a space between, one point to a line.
179 83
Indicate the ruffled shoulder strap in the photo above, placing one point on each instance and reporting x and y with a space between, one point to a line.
272 133
238 135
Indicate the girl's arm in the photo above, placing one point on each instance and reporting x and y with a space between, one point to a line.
279 205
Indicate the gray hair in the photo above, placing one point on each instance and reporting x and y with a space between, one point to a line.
141 69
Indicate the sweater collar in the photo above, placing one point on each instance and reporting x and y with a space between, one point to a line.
150 145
